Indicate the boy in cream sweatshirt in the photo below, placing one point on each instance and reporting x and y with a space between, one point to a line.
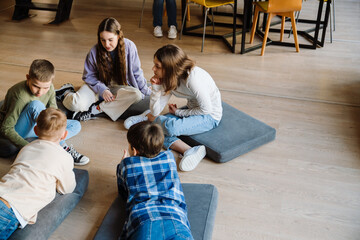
41 169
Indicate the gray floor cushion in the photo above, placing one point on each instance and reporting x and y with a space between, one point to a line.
237 134
50 217
201 200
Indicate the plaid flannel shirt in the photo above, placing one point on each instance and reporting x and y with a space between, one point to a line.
152 189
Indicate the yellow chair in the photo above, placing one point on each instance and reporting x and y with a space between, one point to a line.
283 8
208 4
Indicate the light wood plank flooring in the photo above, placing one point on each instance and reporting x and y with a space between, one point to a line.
305 185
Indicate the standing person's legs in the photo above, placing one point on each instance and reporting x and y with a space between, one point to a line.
27 119
125 97
8 221
81 100
157 12
171 12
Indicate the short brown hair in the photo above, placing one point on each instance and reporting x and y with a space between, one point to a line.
175 64
147 138
50 122
42 70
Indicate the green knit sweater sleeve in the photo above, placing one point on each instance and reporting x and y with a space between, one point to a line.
15 101
14 109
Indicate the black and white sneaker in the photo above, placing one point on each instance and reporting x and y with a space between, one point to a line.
83 116
63 90
79 159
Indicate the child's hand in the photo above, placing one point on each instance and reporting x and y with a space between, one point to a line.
126 154
172 108
154 80
108 96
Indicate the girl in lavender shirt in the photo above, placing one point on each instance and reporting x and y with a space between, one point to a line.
112 74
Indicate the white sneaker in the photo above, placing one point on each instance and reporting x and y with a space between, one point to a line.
172 33
192 158
136 119
158 31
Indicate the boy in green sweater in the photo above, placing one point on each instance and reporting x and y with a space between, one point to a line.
23 103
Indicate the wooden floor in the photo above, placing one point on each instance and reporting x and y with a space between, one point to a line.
305 185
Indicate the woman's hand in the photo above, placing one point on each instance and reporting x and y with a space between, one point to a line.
154 80
172 108
108 96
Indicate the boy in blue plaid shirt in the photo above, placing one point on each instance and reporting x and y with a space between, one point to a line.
149 182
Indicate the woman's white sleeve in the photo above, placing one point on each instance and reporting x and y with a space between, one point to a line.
158 99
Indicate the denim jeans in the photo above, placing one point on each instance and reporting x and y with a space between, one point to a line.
161 230
174 126
8 221
27 121
158 12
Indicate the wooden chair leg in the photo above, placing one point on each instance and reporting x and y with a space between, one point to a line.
271 15
188 13
253 28
293 23
282 28
164 11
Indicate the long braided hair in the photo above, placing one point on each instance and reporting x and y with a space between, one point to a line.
109 69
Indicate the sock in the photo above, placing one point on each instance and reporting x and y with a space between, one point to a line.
96 109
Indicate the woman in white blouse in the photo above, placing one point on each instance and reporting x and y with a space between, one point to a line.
176 74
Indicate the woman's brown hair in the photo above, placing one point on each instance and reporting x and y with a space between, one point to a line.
109 69
176 66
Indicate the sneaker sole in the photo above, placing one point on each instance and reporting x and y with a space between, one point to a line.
189 163
82 163
129 121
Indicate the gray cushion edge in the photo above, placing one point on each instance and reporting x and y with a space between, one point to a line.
248 146
229 154
210 218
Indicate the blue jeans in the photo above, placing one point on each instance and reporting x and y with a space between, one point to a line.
161 230
8 221
174 126
27 121
158 12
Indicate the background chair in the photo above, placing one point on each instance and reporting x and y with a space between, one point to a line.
208 4
283 8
